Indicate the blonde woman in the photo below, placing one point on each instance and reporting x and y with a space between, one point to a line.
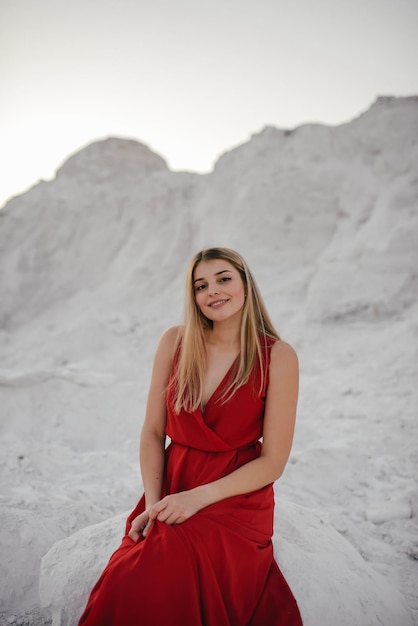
197 549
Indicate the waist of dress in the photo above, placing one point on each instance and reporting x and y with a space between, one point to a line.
227 450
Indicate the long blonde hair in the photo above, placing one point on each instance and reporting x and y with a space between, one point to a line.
256 326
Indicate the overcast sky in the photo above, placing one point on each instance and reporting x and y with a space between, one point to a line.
190 78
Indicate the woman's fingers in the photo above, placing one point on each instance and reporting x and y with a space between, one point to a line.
168 517
138 525
157 509
147 527
173 509
133 534
169 510
141 527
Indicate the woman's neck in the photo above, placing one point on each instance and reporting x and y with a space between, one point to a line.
226 335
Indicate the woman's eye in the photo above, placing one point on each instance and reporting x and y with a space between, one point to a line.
200 287
225 279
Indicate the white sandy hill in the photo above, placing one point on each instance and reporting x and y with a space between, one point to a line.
91 271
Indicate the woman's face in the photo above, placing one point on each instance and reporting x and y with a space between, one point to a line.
219 290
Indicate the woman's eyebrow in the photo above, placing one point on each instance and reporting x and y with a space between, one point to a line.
217 274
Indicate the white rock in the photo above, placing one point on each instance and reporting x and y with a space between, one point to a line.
22 533
379 512
330 580
71 567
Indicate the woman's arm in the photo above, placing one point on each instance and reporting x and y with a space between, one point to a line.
279 423
152 441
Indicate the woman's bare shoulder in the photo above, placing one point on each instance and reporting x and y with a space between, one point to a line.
165 353
282 353
170 339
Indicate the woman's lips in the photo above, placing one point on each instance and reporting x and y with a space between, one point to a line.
217 304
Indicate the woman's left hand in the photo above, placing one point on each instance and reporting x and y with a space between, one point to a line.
176 508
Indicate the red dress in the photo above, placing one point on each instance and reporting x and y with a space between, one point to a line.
216 568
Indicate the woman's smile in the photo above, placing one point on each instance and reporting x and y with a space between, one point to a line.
217 304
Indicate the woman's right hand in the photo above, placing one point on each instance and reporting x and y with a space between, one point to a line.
140 526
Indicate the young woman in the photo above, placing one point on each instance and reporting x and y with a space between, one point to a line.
197 549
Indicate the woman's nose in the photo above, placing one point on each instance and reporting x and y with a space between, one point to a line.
213 290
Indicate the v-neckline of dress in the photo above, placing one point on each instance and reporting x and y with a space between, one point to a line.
214 392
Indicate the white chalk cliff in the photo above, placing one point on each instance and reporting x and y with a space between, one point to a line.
92 269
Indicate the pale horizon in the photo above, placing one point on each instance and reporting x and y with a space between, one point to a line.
190 80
